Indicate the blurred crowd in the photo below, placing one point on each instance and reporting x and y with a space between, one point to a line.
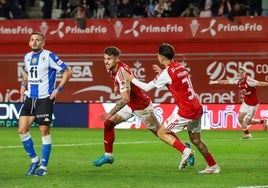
98 9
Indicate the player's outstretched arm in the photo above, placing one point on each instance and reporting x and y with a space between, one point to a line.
140 84
211 82
262 83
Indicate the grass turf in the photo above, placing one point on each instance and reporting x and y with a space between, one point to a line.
141 160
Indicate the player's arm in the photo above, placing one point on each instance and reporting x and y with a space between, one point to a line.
66 75
140 84
24 83
219 82
259 83
157 69
145 86
125 98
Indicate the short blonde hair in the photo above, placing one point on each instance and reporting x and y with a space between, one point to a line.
38 33
243 69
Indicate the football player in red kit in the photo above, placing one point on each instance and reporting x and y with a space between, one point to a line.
177 79
247 87
133 102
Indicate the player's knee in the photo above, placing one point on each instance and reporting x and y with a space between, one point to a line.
240 120
196 141
248 121
109 125
160 132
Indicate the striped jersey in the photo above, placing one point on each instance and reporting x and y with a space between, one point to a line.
41 68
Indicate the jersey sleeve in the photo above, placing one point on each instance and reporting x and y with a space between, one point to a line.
57 63
124 85
233 81
142 85
162 79
251 82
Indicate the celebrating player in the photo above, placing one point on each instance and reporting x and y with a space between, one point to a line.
247 86
133 102
39 78
177 79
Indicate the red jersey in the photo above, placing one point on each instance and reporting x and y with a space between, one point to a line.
138 99
178 81
248 89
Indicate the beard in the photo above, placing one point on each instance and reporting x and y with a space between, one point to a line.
36 49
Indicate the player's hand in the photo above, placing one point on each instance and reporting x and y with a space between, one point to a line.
213 82
115 90
105 116
157 69
22 90
128 76
54 94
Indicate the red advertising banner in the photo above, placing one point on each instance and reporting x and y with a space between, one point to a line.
215 116
65 36
210 48
144 29
91 83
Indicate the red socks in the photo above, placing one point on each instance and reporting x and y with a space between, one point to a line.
179 145
108 136
210 160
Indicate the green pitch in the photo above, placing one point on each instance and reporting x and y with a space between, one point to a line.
141 161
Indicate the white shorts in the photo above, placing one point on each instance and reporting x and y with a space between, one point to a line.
249 110
176 123
146 116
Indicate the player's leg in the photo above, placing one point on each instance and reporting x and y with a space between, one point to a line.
241 118
25 120
249 119
174 124
44 109
109 135
194 131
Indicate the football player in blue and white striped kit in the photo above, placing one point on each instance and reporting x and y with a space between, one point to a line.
39 87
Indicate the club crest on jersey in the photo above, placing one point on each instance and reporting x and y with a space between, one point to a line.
34 60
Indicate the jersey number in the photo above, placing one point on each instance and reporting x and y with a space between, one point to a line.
190 87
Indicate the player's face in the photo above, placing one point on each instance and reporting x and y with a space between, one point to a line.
160 59
110 62
241 74
36 43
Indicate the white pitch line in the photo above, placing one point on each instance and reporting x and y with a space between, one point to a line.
86 144
122 143
252 186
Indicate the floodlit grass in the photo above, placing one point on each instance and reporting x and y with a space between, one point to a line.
141 161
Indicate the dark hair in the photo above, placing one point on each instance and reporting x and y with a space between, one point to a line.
38 33
166 50
112 50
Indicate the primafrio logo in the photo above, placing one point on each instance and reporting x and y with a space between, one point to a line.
210 28
58 30
140 28
133 29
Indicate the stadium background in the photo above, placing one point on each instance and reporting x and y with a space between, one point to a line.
211 48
